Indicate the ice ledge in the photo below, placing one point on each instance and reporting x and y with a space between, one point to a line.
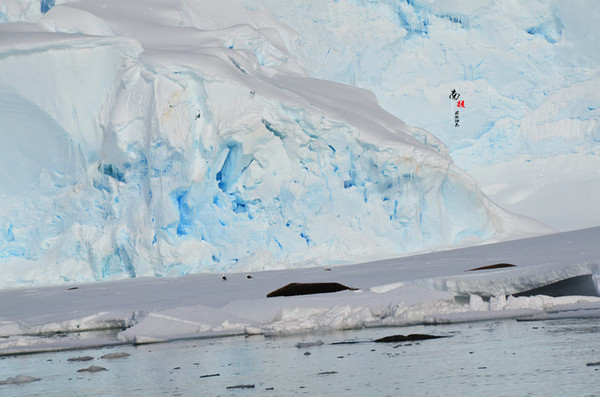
517 281
17 43
425 292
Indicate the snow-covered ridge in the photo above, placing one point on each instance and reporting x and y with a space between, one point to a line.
149 140
553 276
527 71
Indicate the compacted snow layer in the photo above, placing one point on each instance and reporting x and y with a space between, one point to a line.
527 72
172 137
425 289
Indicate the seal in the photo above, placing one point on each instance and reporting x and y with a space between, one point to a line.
293 289
495 266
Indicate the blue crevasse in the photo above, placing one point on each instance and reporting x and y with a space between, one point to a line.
46 5
550 30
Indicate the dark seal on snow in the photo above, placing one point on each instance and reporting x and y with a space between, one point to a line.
309 288
495 266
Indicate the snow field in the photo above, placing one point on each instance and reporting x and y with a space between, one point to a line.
432 288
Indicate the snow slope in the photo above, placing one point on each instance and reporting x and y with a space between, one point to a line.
171 137
424 289
528 72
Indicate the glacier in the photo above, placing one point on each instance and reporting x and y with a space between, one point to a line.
528 73
176 137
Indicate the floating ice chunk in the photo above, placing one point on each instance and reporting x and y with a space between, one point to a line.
469 316
8 328
80 359
92 369
303 345
19 379
111 356
476 303
182 322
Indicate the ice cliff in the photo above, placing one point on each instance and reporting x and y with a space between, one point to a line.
173 137
529 132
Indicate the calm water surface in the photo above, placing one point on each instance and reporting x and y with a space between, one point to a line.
504 358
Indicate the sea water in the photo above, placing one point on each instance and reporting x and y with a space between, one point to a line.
505 358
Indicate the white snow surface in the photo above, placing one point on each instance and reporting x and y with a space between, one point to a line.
169 137
528 72
425 289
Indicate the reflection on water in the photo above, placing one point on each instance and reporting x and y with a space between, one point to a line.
494 358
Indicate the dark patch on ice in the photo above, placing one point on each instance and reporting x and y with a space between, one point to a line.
579 285
237 65
308 289
495 266
407 338
352 342
93 369
241 387
80 359
209 376
275 132
112 171
111 356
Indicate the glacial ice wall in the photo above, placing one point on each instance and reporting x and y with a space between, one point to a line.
157 139
528 72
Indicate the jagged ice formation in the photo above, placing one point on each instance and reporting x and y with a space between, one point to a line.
148 139
528 72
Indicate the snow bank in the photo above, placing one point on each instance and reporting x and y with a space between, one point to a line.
395 292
